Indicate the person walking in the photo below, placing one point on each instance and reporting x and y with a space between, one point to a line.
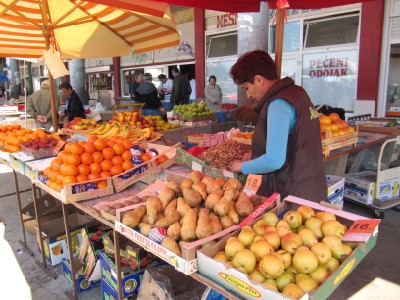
73 104
164 90
39 106
181 89
286 145
213 94
149 96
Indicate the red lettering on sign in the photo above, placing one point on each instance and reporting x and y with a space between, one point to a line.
225 20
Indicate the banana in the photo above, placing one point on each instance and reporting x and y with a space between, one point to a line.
113 131
124 132
95 131
106 129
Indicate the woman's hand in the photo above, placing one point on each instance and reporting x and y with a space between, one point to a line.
236 166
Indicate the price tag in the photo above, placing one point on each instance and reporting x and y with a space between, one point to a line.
196 166
228 174
362 230
253 183
215 139
58 147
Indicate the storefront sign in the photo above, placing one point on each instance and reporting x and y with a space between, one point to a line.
225 20
329 67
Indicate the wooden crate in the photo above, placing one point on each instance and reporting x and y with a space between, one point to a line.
332 143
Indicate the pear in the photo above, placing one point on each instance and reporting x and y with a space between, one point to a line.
306 283
293 218
306 212
257 276
260 247
244 261
271 266
182 207
215 223
347 250
293 291
213 198
284 280
222 207
333 227
304 260
166 195
226 222
291 270
320 274
352 245
207 180
220 180
332 264
232 183
213 186
200 187
243 205
232 212
259 226
270 283
290 242
286 257
308 237
246 236
196 176
273 239
171 207
172 185
271 218
186 183
322 251
335 244
232 246
220 256
231 194
315 226
192 197
282 228
270 228
325 216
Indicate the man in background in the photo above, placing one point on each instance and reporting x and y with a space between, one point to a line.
39 106
181 89
164 90
149 96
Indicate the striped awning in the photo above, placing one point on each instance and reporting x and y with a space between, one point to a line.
83 29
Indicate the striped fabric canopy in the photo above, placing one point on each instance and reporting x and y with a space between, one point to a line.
83 29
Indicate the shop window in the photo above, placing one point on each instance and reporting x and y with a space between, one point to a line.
220 70
126 77
291 37
331 31
221 45
331 77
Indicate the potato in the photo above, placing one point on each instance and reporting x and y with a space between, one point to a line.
213 198
192 197
204 228
174 231
243 205
189 223
132 218
213 186
226 221
186 183
171 245
153 206
200 187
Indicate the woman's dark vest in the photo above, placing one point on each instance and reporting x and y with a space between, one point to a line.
302 174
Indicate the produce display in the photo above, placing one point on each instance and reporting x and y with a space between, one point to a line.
81 124
12 136
135 119
222 156
293 255
193 111
200 207
108 130
333 126
40 148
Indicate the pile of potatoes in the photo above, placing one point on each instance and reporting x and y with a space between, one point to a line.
200 207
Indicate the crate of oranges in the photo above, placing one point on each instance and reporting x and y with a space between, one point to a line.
336 133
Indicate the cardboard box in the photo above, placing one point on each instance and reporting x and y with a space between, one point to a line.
362 187
55 243
130 279
239 283
335 190
187 263
82 282
36 167
18 161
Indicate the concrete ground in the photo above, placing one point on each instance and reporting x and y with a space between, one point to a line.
376 277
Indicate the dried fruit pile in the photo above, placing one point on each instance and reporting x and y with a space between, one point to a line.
222 156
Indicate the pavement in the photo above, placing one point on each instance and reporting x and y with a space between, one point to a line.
376 277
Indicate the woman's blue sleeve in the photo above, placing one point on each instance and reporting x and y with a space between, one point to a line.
281 121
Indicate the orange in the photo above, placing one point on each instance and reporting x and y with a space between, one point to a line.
334 127
119 148
111 143
56 163
58 187
61 154
325 128
69 179
76 148
105 174
93 176
117 160
69 170
60 178
102 184
67 147
86 158
95 167
116 170
97 157
74 159
127 144
145 156
350 129
108 153
324 120
82 143
341 124
81 178
126 165
106 165
99 144
92 138
83 169
127 155
334 117
89 147
161 159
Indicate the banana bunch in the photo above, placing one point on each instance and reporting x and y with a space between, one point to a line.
125 132
104 128
115 130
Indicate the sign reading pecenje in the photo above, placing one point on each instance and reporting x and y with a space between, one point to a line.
329 67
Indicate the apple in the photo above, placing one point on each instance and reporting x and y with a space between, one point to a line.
138 123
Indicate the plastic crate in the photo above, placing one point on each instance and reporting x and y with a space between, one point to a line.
228 106
225 116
